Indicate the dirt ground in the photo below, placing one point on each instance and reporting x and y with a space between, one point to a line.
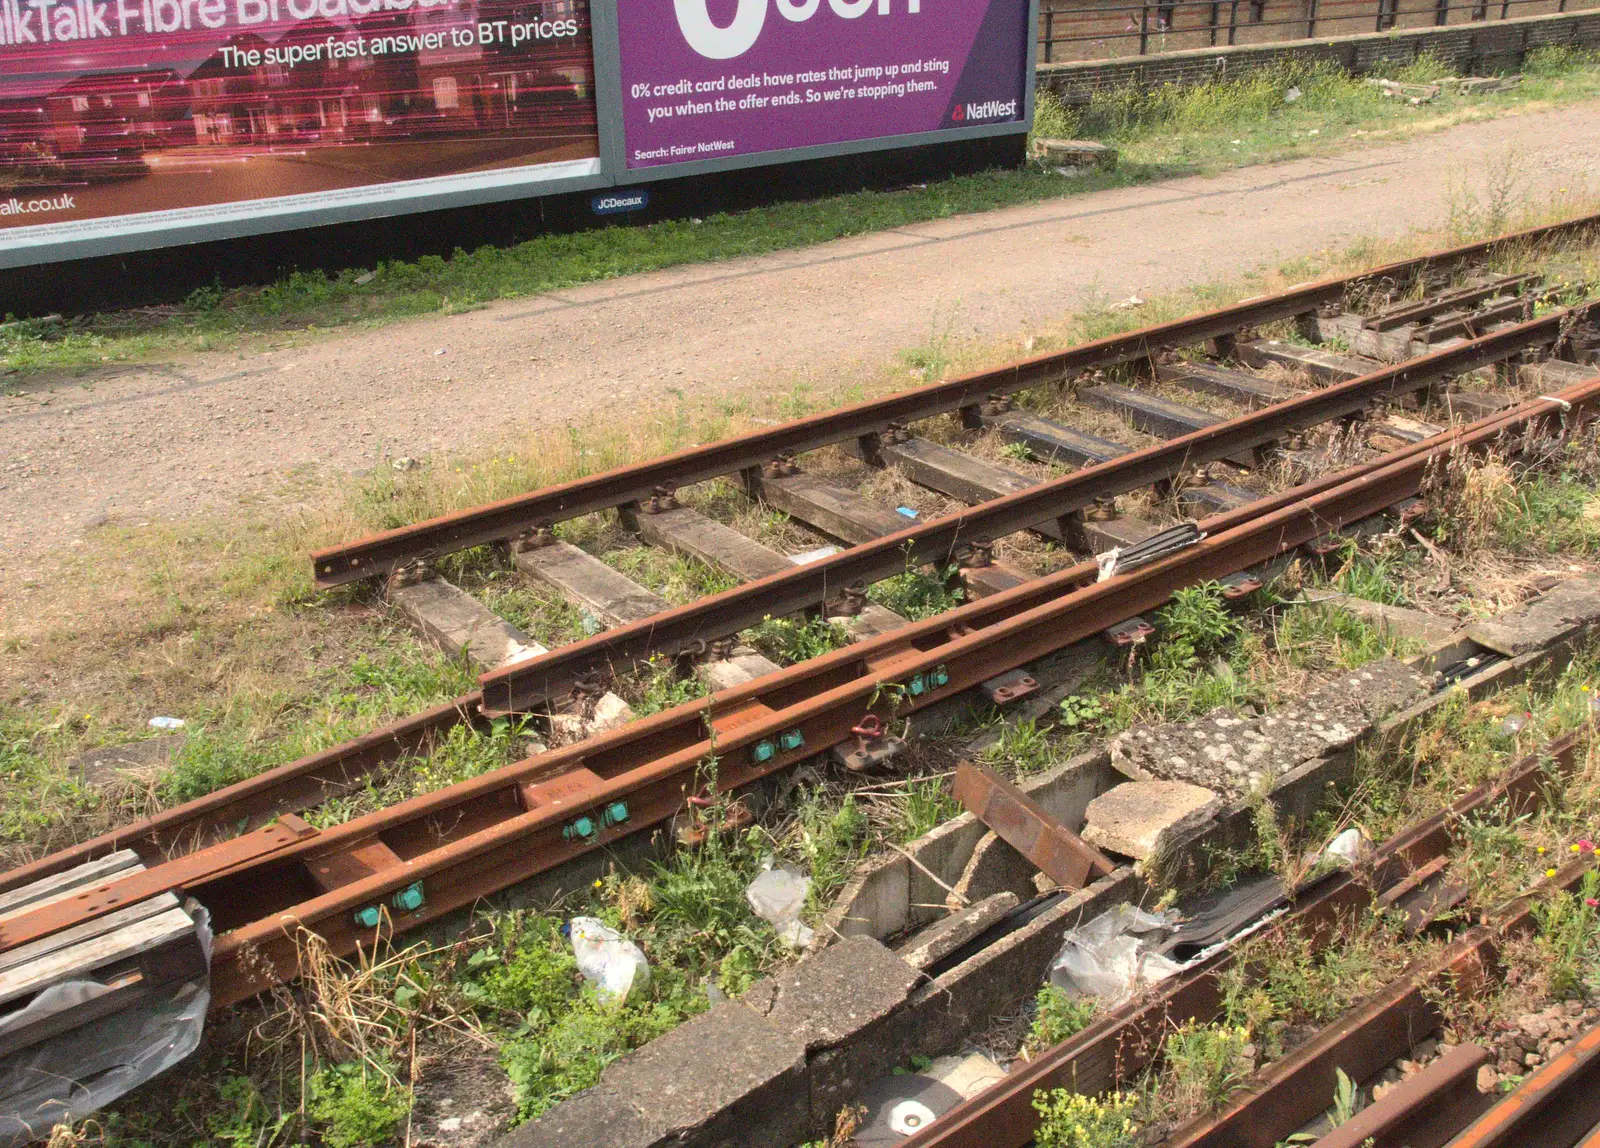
200 435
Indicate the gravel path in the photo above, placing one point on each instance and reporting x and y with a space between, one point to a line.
204 432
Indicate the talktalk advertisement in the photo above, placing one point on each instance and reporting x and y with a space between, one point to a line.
119 115
704 79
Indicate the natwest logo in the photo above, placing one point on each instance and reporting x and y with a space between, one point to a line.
988 110
715 43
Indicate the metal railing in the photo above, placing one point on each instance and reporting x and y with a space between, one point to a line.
1093 31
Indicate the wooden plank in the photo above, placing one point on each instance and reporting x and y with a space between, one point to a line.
610 595
1553 374
460 625
972 480
22 954
1473 404
1402 313
1149 413
687 531
1476 323
1102 534
984 581
58 885
1214 497
744 666
127 990
76 960
832 509
1050 441
1319 364
1248 390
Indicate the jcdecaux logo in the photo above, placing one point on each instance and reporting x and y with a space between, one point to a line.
714 43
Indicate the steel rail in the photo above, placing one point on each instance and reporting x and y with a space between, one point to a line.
1116 1048
493 831
524 686
1553 1108
305 782
378 554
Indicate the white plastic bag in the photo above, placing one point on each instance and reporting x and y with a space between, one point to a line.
1347 849
778 896
1113 955
607 959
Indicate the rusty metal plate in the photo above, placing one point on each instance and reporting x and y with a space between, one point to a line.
1060 854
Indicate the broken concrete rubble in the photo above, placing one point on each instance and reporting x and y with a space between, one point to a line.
1235 754
1143 818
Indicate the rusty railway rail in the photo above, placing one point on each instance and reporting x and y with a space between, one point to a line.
308 781
523 686
418 860
380 554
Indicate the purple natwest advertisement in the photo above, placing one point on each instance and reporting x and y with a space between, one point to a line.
704 79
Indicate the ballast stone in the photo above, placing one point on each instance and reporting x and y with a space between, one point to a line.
1140 819
1233 754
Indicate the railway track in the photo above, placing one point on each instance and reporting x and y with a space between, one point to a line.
1556 1107
262 873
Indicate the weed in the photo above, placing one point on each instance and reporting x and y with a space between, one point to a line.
1020 451
1024 746
1079 712
1204 1064
357 1105
1569 937
789 640
917 595
1052 118
662 688
1058 1015
1198 623
927 804
244 1119
1072 1120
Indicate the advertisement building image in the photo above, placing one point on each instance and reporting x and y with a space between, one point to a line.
128 124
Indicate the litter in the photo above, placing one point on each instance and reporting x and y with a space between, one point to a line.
1347 849
1114 955
1291 95
777 896
607 959
166 723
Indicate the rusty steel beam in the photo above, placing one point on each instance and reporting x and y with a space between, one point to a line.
495 830
1292 1091
254 802
123 890
378 554
1554 1108
527 685
1120 1046
1017 819
1424 1111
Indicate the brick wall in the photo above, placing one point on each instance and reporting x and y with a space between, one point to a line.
1471 49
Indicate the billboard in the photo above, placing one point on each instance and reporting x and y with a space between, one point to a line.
119 115
757 76
129 124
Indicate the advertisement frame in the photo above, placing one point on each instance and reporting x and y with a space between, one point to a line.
613 172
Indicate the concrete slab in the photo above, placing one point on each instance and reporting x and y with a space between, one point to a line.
995 867
835 993
1142 818
598 1115
744 666
1566 614
1233 754
723 1070
1416 624
946 936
